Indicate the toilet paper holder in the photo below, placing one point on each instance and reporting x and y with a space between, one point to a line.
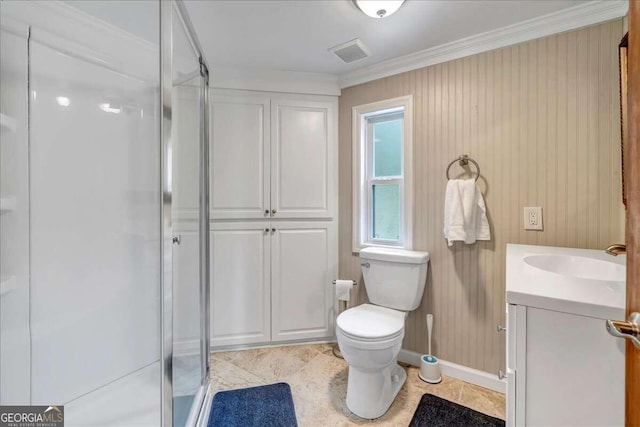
343 304
342 307
353 281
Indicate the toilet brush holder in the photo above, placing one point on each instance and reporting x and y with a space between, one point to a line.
430 369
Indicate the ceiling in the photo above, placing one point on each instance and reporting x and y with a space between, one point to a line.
294 35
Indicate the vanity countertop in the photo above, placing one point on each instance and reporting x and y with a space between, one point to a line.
536 287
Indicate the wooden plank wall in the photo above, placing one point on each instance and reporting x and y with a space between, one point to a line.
542 120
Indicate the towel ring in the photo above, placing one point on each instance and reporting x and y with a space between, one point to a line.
464 160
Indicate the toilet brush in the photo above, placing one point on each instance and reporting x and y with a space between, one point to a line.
429 365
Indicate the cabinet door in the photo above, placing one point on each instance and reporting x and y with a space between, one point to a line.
240 181
574 371
303 266
302 158
240 291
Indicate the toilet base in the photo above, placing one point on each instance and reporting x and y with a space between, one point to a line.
371 393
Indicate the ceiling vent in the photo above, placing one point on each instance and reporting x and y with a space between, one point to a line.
350 51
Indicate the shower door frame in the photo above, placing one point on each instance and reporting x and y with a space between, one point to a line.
166 255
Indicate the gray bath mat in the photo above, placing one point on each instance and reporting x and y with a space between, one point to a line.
433 411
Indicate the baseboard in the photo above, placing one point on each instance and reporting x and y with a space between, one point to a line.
453 370
192 347
216 349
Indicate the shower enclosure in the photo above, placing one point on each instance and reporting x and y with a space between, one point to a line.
103 193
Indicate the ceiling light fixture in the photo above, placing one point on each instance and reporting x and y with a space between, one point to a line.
378 8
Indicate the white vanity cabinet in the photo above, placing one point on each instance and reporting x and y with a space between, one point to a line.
274 221
563 367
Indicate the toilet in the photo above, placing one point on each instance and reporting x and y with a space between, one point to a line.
370 335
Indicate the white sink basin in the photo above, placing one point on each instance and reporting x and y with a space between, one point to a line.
587 282
578 267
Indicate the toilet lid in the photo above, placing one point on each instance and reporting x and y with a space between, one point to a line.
371 321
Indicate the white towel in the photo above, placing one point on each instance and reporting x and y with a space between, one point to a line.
465 214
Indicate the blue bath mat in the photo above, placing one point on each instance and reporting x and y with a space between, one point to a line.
263 406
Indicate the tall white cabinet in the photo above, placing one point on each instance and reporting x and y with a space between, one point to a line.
274 222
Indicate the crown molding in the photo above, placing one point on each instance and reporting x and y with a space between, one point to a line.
274 80
583 15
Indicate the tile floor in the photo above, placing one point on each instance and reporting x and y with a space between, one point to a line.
319 385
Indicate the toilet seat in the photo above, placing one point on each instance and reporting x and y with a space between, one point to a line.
368 322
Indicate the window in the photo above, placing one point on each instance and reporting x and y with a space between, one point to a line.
382 153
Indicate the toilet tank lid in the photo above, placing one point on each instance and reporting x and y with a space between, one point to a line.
394 255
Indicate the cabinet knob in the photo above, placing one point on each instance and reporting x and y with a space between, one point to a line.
266 230
266 211
273 230
273 211
501 328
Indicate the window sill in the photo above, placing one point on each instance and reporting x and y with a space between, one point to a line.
356 251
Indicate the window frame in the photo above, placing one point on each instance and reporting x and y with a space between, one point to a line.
363 178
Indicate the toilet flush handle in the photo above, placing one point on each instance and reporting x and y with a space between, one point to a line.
366 264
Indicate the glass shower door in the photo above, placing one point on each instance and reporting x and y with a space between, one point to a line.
94 223
190 221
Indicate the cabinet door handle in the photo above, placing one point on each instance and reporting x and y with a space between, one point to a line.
266 211
273 211
266 230
273 230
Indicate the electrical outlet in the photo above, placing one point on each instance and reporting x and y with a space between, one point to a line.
533 218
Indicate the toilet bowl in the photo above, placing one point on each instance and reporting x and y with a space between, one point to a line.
370 338
370 335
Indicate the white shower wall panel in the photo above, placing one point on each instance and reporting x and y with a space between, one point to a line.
95 263
14 222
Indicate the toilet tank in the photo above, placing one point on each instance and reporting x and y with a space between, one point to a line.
394 278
